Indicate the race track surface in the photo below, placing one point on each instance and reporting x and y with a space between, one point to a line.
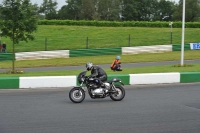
169 108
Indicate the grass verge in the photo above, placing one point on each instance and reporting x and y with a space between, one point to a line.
152 69
75 61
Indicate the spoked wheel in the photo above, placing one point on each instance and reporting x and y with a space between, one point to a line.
77 95
119 95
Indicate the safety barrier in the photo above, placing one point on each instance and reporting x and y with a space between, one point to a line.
99 51
70 81
177 47
6 56
47 81
95 52
42 55
187 77
9 83
147 49
154 78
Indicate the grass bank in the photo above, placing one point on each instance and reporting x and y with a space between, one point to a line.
152 69
55 37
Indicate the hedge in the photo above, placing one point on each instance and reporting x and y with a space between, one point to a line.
117 23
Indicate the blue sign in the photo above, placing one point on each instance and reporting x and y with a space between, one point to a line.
196 45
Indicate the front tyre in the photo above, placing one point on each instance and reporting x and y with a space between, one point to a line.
77 95
119 94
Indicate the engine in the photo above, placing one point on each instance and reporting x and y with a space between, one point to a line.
98 91
93 83
96 88
107 86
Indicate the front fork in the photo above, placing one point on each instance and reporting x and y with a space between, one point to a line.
113 88
81 87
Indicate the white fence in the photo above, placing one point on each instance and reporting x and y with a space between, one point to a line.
65 53
47 81
146 49
42 55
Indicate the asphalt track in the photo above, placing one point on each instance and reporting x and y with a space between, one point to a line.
166 108
127 65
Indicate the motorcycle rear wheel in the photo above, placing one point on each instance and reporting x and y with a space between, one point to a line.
77 95
119 95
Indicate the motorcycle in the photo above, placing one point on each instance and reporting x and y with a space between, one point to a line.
95 89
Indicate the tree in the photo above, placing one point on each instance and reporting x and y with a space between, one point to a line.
165 10
48 8
63 13
19 21
73 9
147 9
87 9
130 10
192 9
109 9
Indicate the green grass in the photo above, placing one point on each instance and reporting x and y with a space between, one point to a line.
75 61
74 37
152 69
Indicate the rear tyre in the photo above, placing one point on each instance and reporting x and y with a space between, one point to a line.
77 95
119 95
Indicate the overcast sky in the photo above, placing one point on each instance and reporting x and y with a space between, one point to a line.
62 2
39 2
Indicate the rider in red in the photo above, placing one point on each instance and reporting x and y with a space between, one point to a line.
115 66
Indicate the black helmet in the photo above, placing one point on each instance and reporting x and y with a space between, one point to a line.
89 65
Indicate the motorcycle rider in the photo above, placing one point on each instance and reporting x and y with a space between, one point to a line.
97 72
116 64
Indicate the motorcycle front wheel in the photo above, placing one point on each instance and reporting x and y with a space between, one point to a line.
119 94
77 95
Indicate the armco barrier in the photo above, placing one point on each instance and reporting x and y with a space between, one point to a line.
124 77
146 49
187 77
154 78
6 56
47 81
177 47
70 81
9 83
42 55
98 51
95 52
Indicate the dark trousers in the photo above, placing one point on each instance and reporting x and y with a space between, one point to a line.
101 79
117 67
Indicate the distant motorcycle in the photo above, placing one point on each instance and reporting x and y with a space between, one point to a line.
96 90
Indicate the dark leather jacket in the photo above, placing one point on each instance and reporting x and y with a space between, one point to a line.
98 72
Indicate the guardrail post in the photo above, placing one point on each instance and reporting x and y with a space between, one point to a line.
129 40
45 44
87 43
